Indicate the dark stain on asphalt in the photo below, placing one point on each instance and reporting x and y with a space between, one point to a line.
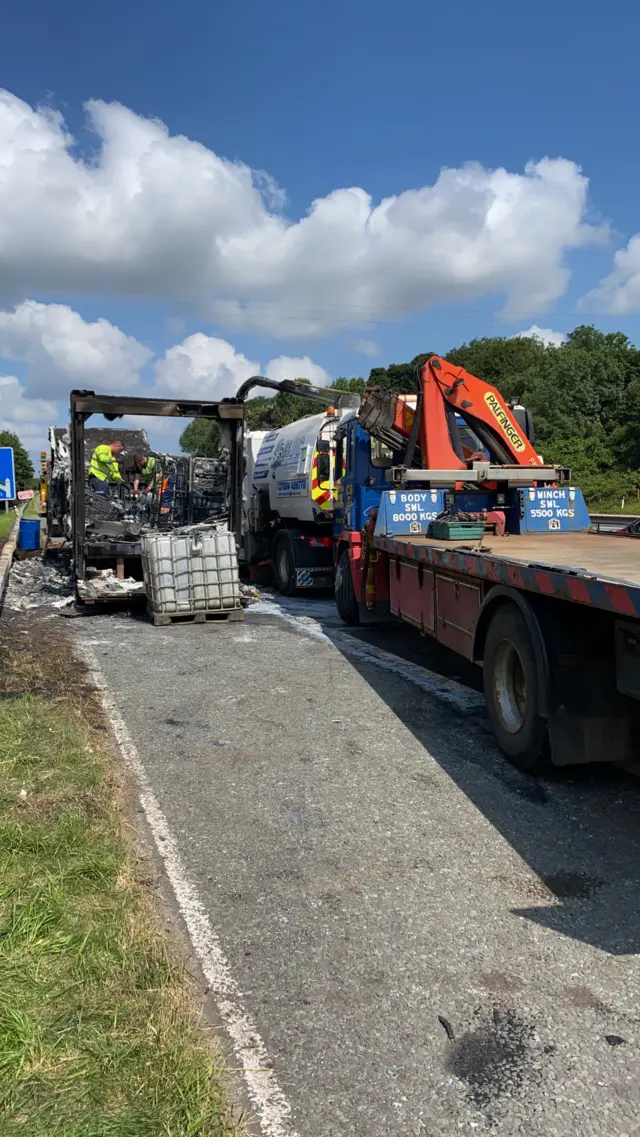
584 998
446 1026
614 1040
500 984
494 1060
572 885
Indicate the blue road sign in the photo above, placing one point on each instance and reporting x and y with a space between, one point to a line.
7 474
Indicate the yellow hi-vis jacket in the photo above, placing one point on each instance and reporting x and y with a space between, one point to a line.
148 471
104 465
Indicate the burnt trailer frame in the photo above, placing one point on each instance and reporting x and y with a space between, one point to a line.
229 413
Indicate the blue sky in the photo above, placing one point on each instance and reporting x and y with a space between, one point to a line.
324 97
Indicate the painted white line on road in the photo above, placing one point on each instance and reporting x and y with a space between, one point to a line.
272 1108
446 690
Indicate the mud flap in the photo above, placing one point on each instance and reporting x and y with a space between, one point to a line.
576 739
381 613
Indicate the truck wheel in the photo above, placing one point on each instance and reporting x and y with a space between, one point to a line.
284 568
346 600
511 689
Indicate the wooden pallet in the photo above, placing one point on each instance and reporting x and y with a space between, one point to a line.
223 616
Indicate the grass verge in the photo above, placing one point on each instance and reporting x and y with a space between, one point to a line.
99 1035
6 524
32 509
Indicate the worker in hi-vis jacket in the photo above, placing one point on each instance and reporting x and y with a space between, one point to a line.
145 473
103 468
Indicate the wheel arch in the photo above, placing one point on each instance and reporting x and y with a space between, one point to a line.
497 597
349 539
339 547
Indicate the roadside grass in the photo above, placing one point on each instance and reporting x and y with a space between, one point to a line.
33 506
631 506
99 1029
6 523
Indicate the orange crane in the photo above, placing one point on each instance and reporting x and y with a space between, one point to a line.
428 420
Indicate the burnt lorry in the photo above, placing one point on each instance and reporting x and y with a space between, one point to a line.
104 533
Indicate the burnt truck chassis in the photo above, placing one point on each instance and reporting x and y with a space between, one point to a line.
229 414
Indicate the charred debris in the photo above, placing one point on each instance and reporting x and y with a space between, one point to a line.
195 489
104 533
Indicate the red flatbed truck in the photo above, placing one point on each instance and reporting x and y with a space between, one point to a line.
548 609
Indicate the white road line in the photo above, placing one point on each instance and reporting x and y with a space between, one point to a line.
446 690
272 1108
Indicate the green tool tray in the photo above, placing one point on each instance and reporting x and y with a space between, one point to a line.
457 530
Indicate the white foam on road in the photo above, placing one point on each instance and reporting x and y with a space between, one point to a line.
446 690
272 1107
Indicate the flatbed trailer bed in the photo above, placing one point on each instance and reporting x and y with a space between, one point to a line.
584 568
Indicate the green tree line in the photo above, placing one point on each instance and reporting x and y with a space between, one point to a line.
584 396
22 463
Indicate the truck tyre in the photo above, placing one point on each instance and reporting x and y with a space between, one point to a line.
511 691
284 565
346 600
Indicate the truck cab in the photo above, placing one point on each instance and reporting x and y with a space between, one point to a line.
361 462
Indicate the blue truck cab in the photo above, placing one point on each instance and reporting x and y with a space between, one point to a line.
361 463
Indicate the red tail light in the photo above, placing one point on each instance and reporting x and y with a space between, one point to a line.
316 542
321 542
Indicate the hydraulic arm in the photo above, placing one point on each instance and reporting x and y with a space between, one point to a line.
445 389
323 395
428 420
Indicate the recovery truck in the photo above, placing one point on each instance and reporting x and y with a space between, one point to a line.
289 492
489 552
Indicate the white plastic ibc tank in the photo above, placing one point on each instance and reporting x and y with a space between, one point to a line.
191 572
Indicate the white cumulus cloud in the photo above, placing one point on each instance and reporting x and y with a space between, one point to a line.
546 336
62 351
28 418
163 217
619 292
204 367
290 367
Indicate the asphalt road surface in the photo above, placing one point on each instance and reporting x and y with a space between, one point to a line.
427 941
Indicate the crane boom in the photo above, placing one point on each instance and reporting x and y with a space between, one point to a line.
444 386
445 391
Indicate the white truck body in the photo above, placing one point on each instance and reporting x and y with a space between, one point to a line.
285 466
289 485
